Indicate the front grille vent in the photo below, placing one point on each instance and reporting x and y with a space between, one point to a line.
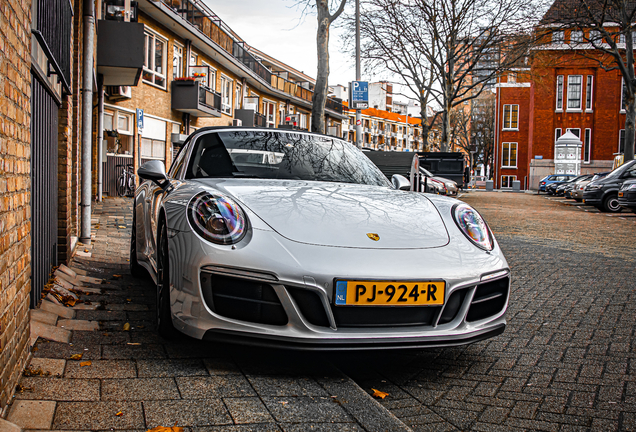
489 300
242 299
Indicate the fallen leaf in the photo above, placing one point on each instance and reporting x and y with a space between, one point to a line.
116 276
119 414
379 394
133 343
126 326
128 299
85 250
121 226
76 356
86 363
166 429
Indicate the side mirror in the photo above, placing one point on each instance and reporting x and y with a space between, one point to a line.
153 170
400 182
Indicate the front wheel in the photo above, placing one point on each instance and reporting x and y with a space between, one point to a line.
121 186
611 205
165 328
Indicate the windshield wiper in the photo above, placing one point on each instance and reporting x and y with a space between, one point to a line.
243 175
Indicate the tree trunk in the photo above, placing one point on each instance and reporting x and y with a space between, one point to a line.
630 120
322 80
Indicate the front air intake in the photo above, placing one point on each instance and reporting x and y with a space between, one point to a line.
489 299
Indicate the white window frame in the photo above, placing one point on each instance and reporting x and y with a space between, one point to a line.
558 37
514 178
589 92
559 93
226 99
153 142
211 72
503 151
131 122
149 58
177 53
587 146
580 98
266 104
194 56
507 118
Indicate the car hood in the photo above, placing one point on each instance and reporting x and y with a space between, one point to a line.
340 215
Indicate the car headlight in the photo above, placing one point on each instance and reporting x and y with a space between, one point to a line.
631 186
470 222
592 187
217 218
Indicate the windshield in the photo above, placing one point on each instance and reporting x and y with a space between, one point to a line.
281 155
426 172
618 171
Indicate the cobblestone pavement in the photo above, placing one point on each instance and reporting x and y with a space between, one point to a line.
567 360
137 381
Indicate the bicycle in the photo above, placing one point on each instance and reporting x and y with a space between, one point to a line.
126 181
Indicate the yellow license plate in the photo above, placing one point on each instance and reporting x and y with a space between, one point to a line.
620 194
390 293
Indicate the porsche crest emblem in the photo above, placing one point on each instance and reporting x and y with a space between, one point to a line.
373 236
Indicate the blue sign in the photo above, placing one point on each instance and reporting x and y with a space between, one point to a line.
140 119
359 94
341 292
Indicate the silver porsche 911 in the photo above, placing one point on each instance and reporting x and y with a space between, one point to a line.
292 239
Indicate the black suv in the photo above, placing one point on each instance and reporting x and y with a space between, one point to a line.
627 195
603 193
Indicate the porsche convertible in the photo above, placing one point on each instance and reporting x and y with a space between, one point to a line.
293 239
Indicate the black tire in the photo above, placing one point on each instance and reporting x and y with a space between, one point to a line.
135 268
121 187
611 205
165 328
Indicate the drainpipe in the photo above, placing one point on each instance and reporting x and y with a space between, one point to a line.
87 119
100 137
185 118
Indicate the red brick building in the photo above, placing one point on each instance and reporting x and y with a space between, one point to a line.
562 89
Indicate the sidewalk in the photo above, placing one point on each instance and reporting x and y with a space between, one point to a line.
133 380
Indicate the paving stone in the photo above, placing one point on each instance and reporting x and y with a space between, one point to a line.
144 351
78 324
101 315
305 409
220 367
263 427
58 389
321 427
36 414
44 316
214 387
49 332
203 412
53 366
99 416
101 369
57 350
171 368
247 410
58 310
139 389
286 386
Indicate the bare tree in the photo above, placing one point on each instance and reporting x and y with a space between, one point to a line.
446 50
325 19
609 27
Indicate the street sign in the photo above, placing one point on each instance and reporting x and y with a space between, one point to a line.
140 119
359 95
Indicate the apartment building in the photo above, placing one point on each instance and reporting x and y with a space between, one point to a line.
198 72
563 89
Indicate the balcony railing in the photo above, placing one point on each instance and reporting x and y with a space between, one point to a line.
196 99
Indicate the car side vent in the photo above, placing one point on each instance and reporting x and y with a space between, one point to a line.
310 306
242 299
490 299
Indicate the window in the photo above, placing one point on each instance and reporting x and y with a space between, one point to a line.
118 132
623 92
211 76
588 93
153 149
194 58
576 36
557 134
621 141
506 181
177 61
574 92
559 93
595 37
269 110
239 96
621 38
587 146
576 132
124 123
226 95
512 77
155 60
509 155
511 117
558 37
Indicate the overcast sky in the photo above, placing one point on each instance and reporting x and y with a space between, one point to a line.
277 28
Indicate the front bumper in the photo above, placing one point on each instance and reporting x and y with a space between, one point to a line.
628 200
593 197
290 267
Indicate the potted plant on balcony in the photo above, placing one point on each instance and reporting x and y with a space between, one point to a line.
184 81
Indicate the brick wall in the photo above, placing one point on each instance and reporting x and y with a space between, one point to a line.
15 211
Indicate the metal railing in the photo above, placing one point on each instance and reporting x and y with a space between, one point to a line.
53 26
209 97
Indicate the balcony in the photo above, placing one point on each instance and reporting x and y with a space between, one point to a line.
120 52
194 98
250 118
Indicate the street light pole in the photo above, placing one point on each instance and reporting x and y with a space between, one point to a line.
358 77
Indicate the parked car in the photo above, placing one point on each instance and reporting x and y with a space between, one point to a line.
627 195
314 249
565 187
579 189
450 187
603 193
553 178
